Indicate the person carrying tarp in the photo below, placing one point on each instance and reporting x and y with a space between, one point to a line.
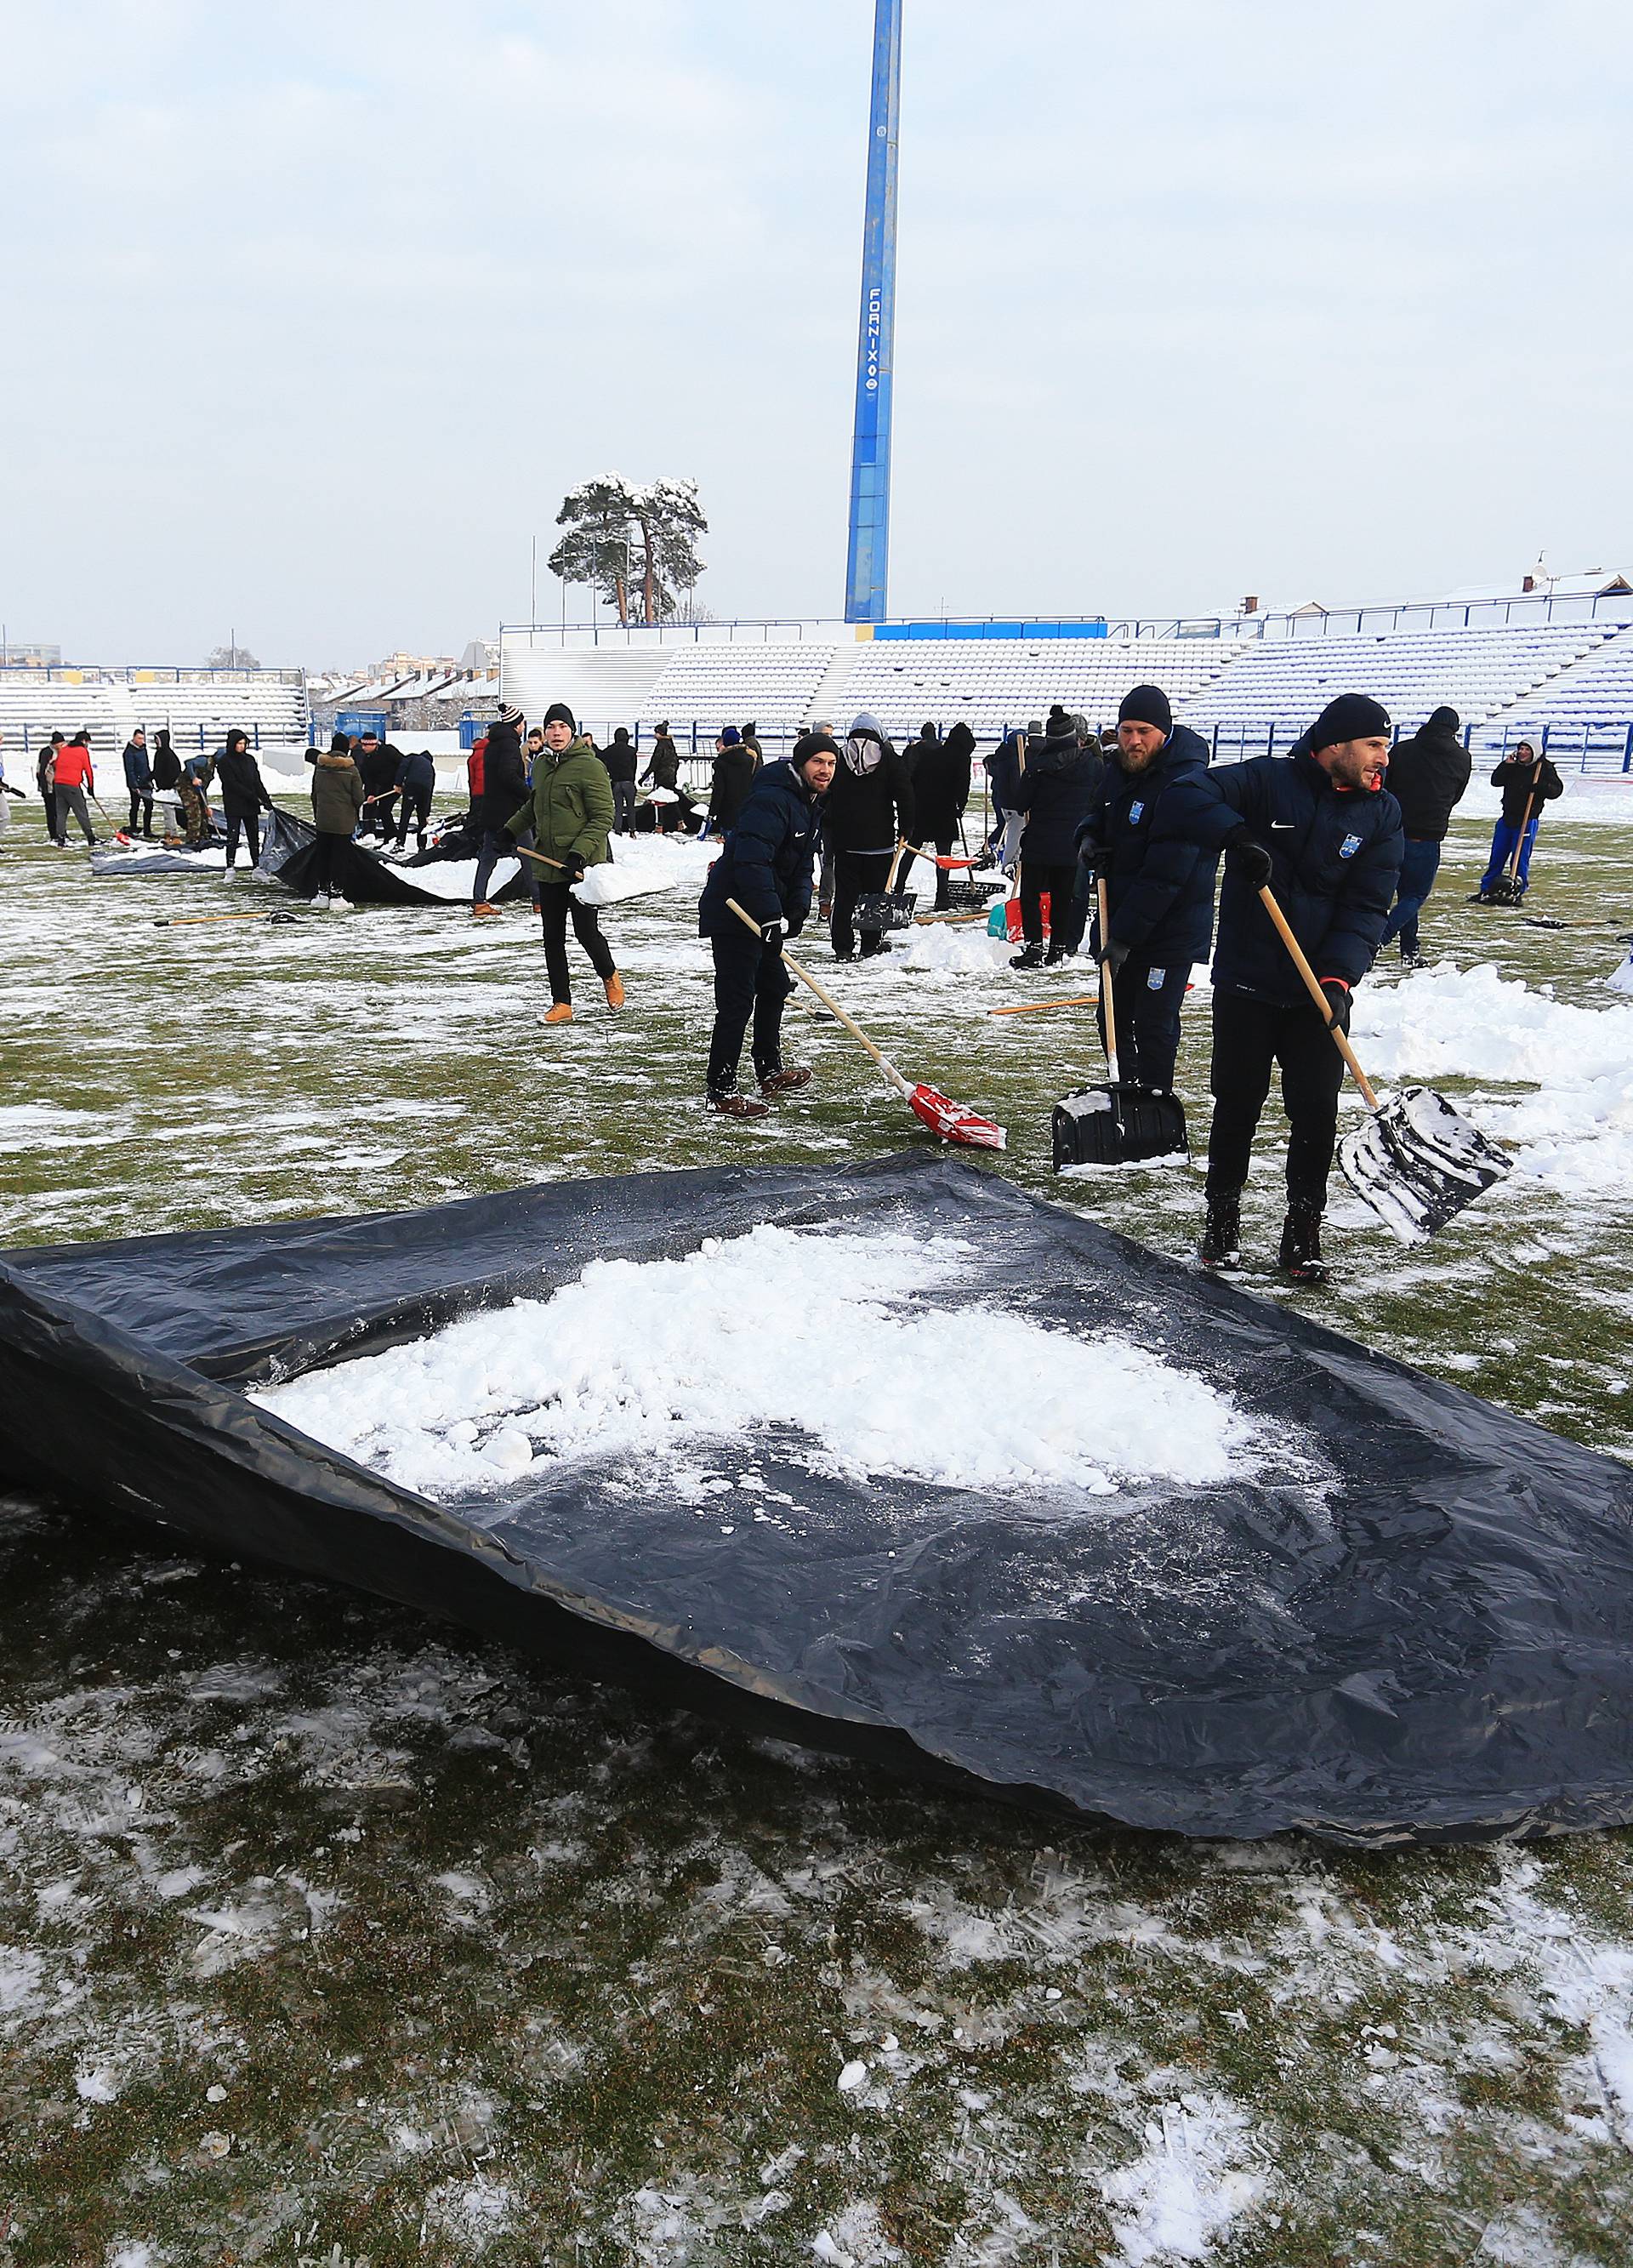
1319 826
1528 781
243 797
570 813
337 794
1158 888
766 866
1428 775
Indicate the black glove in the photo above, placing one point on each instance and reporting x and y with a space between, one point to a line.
1253 860
1116 955
1091 857
572 868
796 922
771 936
1336 994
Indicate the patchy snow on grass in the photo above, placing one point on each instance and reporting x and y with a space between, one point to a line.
1180 2196
638 1356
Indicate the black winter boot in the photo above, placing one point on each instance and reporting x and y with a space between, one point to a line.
1300 1256
1030 956
1221 1236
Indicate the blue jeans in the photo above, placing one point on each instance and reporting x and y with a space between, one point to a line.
1418 869
1502 841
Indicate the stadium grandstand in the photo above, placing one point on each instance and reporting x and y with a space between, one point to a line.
1513 664
197 705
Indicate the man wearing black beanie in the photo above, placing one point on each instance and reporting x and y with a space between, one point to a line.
1319 826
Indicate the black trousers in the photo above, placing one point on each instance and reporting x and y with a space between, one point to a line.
416 810
1066 914
1148 1019
855 872
247 823
329 863
747 980
1250 1037
144 798
555 902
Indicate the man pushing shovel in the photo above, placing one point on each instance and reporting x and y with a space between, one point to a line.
766 866
1320 828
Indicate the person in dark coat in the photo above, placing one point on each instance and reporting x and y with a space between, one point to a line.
45 780
503 788
337 794
751 741
913 756
417 784
766 866
139 781
377 760
870 810
243 796
941 782
663 770
621 764
1056 792
1528 781
1158 888
167 772
733 776
1427 776
1320 828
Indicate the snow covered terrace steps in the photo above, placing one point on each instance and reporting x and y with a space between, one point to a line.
1392 1612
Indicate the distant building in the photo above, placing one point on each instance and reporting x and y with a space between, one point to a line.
29 653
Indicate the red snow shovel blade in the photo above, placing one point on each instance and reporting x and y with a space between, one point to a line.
954 1121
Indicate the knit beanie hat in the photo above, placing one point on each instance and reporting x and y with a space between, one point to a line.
1059 721
729 737
509 714
813 743
1146 704
339 745
1444 719
558 713
1351 716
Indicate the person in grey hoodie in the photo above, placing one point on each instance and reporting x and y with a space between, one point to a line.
870 810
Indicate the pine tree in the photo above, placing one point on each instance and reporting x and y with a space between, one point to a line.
611 521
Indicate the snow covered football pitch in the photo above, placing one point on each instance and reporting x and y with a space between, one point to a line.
324 1928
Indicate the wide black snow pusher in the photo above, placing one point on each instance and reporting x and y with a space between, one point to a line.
1118 1123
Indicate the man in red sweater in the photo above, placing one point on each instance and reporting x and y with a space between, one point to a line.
75 779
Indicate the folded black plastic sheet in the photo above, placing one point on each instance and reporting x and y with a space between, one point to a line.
1425 1631
364 877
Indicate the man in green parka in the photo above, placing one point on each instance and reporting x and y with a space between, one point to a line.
570 812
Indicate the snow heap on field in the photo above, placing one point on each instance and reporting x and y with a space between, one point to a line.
1577 1132
775 1329
454 879
642 864
964 951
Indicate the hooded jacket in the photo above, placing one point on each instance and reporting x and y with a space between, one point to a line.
417 772
1520 782
729 788
767 859
1004 769
663 766
1158 885
504 778
243 791
167 765
1427 776
620 758
138 770
570 809
1336 858
941 784
336 794
1057 791
869 806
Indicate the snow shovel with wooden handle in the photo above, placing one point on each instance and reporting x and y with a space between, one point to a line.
1508 890
1416 1159
1116 1124
880 910
949 1119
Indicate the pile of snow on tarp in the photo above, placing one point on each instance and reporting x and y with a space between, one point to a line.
893 1459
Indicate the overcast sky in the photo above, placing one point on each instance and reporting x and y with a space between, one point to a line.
313 313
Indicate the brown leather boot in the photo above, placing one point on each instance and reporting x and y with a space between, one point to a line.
615 984
739 1106
780 1082
561 1012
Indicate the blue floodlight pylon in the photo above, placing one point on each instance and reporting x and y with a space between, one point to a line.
868 561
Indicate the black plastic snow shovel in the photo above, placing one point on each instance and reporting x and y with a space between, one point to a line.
1416 1159
880 910
1115 1124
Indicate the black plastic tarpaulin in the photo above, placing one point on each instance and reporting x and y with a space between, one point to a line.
364 877
1421 1629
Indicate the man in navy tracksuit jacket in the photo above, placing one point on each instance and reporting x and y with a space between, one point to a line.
1158 887
1319 827
766 866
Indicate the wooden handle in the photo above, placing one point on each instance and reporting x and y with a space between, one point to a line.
1531 804
890 879
830 1003
538 857
1105 980
1312 985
